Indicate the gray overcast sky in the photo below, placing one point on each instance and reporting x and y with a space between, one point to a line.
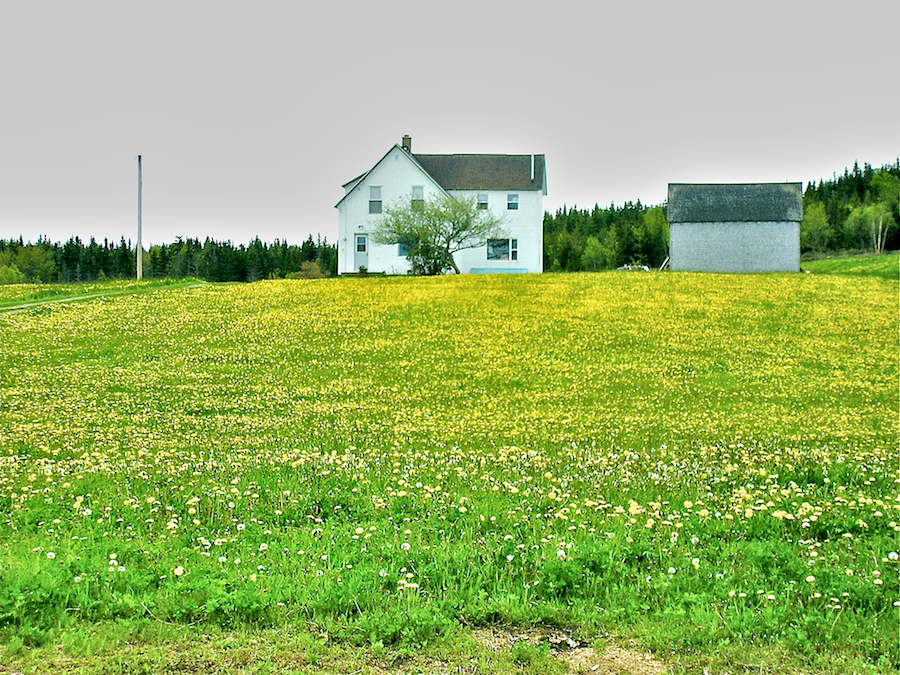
250 115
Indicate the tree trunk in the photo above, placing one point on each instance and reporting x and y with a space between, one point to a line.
880 236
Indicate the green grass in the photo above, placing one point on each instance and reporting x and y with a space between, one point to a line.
705 464
885 266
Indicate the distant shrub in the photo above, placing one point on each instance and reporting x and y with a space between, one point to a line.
311 270
308 270
10 274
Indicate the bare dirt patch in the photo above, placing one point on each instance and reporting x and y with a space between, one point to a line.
612 661
579 659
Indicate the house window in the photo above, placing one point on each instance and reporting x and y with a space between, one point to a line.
498 249
512 202
503 249
482 202
402 250
362 243
374 199
418 196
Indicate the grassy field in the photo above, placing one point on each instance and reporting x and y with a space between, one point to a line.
364 473
885 266
21 296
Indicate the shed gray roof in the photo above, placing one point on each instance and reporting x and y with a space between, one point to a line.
745 202
485 172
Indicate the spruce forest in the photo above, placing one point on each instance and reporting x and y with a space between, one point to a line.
210 260
855 212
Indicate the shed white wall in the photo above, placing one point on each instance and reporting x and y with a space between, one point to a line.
734 247
396 175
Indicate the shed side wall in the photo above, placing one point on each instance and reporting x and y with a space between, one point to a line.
735 247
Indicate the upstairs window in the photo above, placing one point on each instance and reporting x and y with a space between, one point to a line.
482 202
374 199
402 249
418 196
512 202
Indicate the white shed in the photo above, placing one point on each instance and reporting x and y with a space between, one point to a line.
749 227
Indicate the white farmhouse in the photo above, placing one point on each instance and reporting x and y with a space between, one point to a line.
510 186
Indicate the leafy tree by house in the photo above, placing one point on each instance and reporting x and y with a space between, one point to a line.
436 229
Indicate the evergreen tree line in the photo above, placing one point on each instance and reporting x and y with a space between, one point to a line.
209 260
857 211
597 239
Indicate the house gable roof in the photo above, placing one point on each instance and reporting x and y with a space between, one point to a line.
350 186
728 203
471 172
485 172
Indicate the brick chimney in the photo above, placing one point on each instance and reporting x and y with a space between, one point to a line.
407 143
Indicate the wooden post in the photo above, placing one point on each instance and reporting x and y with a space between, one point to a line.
140 246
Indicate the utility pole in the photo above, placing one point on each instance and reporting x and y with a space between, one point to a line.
140 246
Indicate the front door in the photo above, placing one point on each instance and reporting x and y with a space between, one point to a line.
361 248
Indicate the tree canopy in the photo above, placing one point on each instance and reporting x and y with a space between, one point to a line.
605 238
854 211
435 228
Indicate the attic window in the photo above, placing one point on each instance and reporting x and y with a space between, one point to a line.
482 202
512 202
418 196
374 199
